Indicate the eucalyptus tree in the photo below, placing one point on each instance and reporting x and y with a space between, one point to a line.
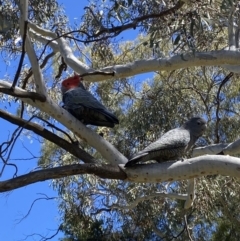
190 51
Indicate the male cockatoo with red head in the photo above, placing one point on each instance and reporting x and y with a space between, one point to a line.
81 104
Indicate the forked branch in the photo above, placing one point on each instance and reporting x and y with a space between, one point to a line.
48 135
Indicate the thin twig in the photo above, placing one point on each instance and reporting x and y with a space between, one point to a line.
21 58
55 127
37 199
135 21
186 225
48 135
115 31
30 73
225 80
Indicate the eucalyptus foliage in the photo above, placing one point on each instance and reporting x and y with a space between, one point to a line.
92 208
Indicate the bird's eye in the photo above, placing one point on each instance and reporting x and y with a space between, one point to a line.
67 83
198 123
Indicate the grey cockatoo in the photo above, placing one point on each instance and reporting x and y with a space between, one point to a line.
173 144
81 104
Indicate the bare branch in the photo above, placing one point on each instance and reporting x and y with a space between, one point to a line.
23 94
232 148
8 150
135 21
191 194
38 78
146 173
39 130
31 207
211 149
182 170
112 32
213 58
224 81
42 237
29 74
21 58
103 171
55 127
186 226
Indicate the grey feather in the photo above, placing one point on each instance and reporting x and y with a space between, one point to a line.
173 144
81 104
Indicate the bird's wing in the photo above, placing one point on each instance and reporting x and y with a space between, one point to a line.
79 96
76 98
167 146
174 138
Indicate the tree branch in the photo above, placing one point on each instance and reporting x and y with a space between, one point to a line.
182 170
231 41
115 31
186 226
210 150
41 131
145 173
223 82
222 58
191 193
29 74
97 73
21 58
32 205
23 94
135 21
188 60
38 78
232 148
63 47
103 171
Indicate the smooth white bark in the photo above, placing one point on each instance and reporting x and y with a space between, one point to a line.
212 58
232 148
191 193
210 150
182 170
38 78
53 44
70 59
61 45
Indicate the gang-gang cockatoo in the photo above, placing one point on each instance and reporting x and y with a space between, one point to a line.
173 144
81 104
